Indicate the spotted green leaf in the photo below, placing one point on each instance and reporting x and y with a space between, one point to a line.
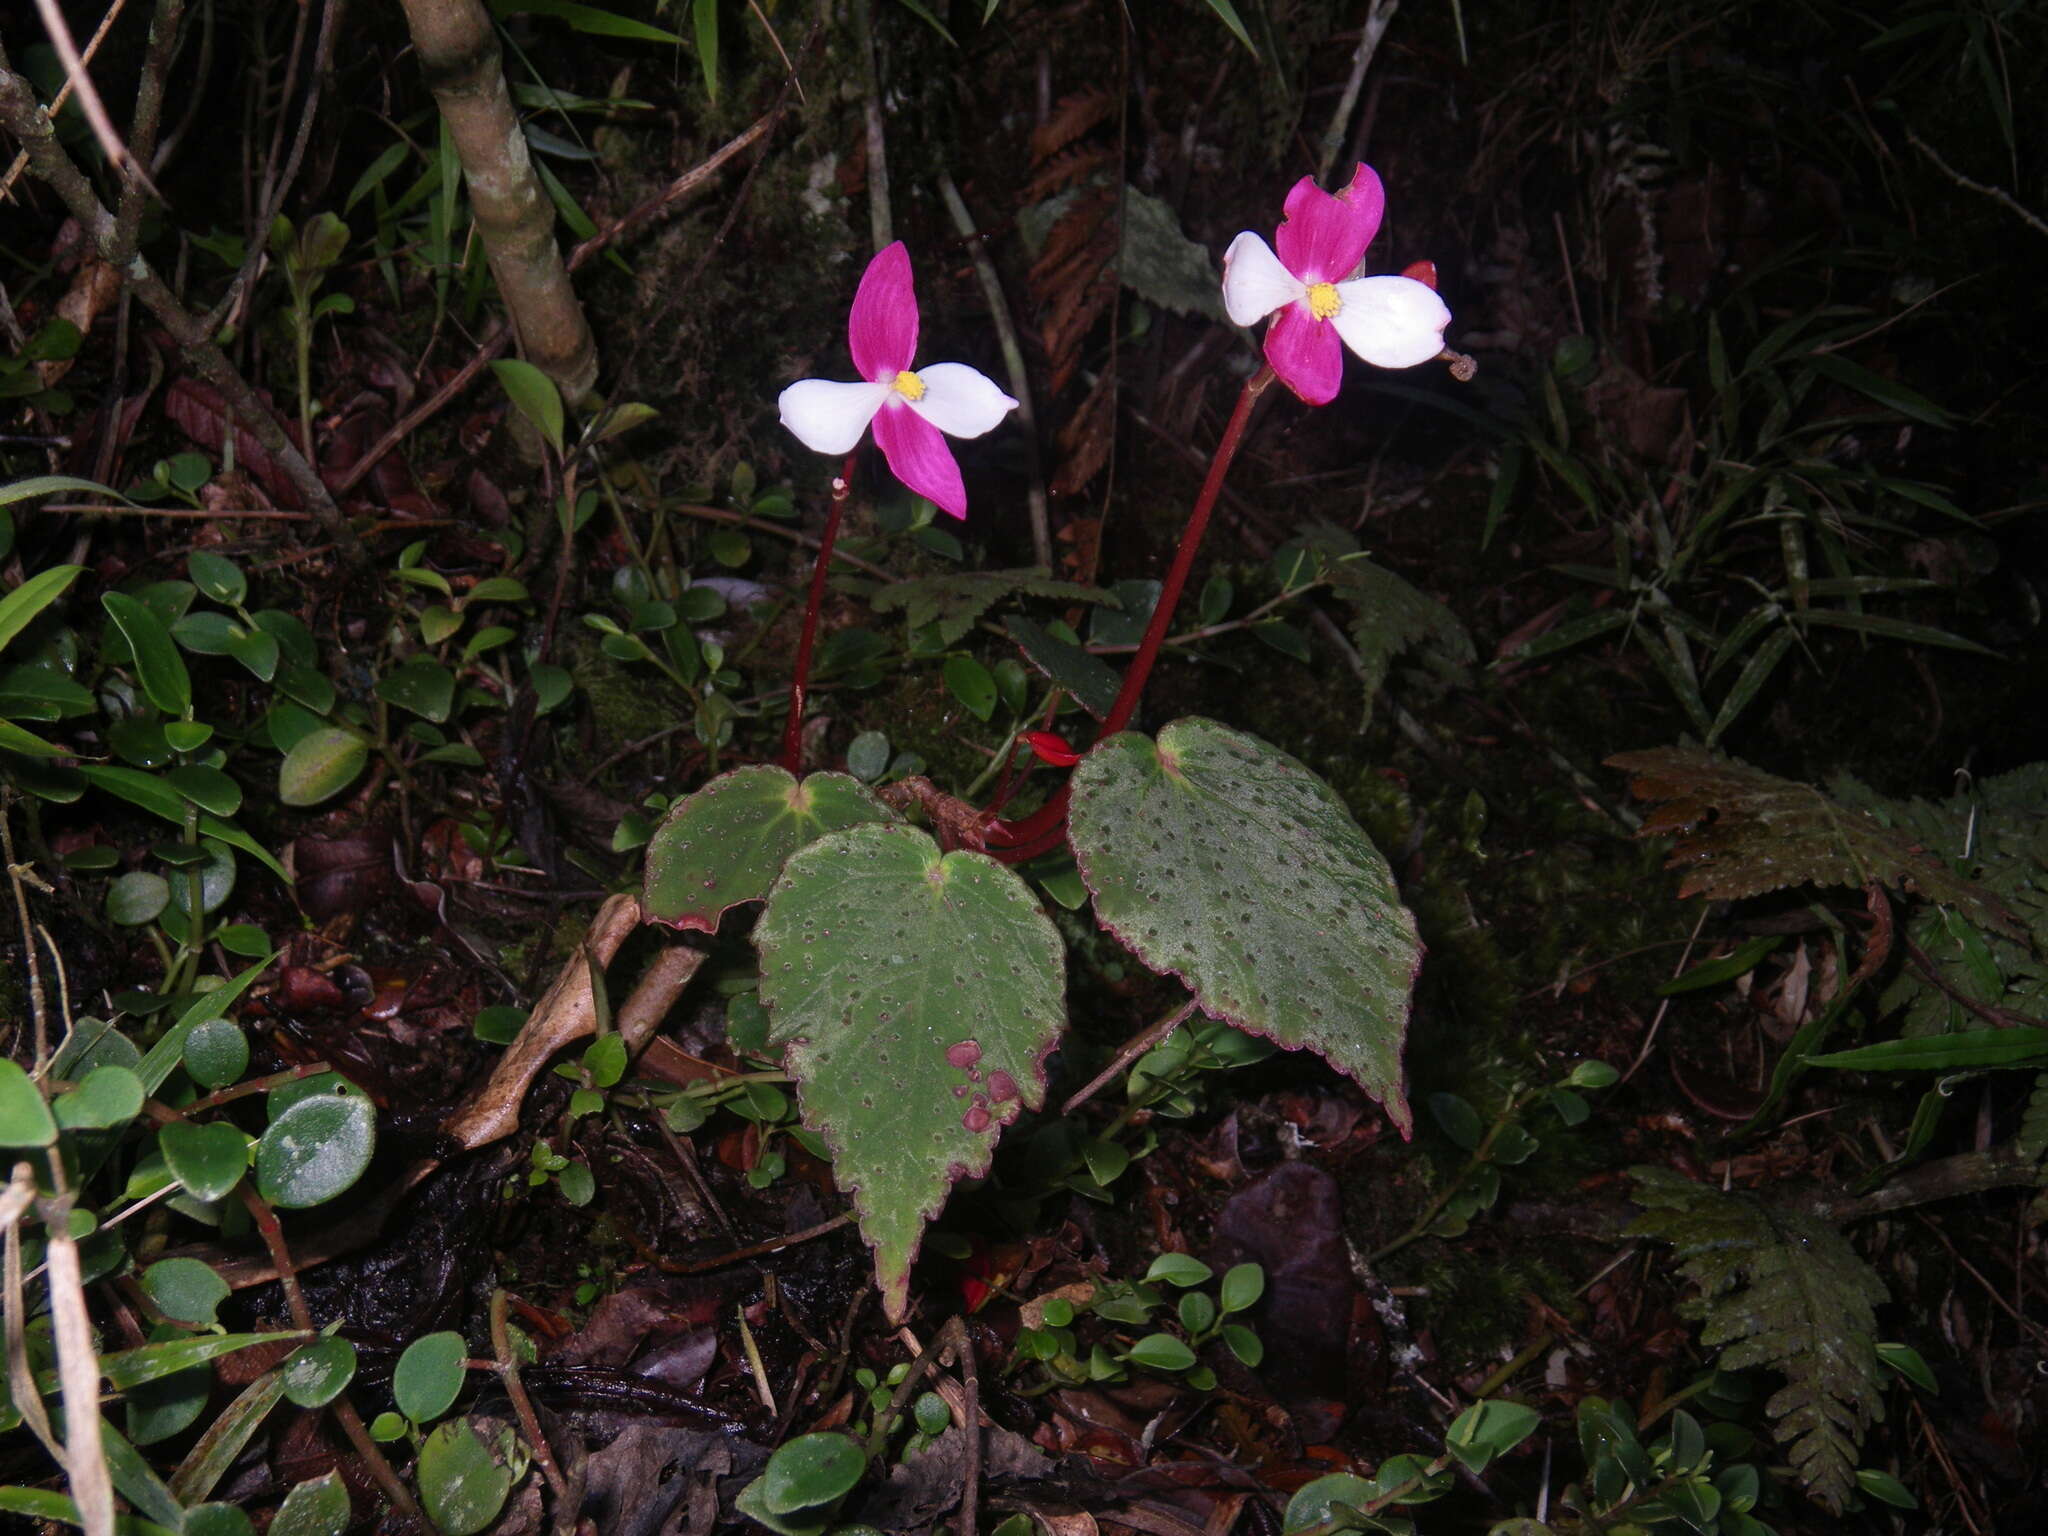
917 994
1223 860
726 843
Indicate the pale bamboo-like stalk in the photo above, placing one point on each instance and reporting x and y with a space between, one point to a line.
459 53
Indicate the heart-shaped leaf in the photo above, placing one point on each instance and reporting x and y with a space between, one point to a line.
316 1375
209 1160
726 843
317 1507
918 995
1225 861
464 1482
185 1289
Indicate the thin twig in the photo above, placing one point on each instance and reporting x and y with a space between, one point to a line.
38 1002
1133 1048
522 1405
880 223
76 78
1013 364
1997 194
754 1250
1377 20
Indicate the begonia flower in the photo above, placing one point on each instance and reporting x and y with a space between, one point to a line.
1391 322
909 410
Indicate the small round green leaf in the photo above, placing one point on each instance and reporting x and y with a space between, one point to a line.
1244 1344
207 788
1178 1269
1593 1075
1315 1503
216 1053
726 843
317 1507
321 764
184 1289
320 1372
217 576
106 1097
970 683
1243 1285
421 685
209 1160
811 1470
315 1149
137 897
1460 1121
216 1520
187 735
24 1117
867 756
1162 1352
463 1482
429 1376
166 1406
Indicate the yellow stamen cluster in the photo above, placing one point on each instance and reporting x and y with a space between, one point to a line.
909 385
1324 300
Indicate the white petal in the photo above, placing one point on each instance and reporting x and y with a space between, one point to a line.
1391 322
961 401
1254 282
830 417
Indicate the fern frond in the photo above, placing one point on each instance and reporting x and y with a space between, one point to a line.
1782 1290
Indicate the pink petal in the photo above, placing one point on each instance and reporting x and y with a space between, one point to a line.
1323 238
1303 350
918 456
883 326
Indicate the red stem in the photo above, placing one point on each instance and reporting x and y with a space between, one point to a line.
799 681
1040 831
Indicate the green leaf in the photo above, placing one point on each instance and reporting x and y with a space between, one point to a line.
969 682
160 799
1460 1121
184 1289
430 1375
108 1097
587 18
535 396
316 1375
315 1150
169 1050
1317 1503
1886 1488
1091 680
421 685
2025 1046
19 608
1889 393
24 1117
209 1160
953 602
158 666
217 576
867 756
1162 1352
1244 1344
1180 1269
207 788
1214 856
316 1507
704 23
1243 1285
917 995
811 1470
1908 1362
320 765
726 843
463 1482
1488 1429
216 1053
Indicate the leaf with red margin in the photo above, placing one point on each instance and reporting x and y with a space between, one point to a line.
1223 860
918 995
725 844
